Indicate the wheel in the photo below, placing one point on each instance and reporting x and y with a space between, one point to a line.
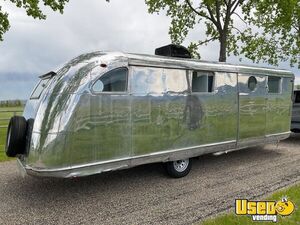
178 168
16 136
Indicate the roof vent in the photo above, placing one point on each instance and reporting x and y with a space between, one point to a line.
173 50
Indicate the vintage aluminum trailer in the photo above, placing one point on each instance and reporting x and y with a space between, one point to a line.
107 110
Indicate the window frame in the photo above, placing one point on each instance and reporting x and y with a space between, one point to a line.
37 85
185 77
111 92
164 73
279 84
213 83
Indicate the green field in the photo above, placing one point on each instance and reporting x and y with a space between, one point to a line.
4 119
292 193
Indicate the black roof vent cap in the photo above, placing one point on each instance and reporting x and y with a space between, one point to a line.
173 50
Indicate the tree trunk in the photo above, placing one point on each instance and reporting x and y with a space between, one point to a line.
223 47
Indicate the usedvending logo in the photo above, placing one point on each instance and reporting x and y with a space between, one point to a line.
264 210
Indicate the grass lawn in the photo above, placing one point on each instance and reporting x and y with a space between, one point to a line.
292 193
5 115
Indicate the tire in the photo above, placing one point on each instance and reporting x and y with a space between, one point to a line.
16 136
178 168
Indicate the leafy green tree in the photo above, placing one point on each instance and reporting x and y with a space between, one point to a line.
269 33
216 16
278 36
32 8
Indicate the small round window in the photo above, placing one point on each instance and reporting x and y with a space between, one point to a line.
252 82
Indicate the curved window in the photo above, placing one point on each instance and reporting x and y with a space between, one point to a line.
39 88
252 82
112 81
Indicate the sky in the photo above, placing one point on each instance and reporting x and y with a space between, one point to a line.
34 47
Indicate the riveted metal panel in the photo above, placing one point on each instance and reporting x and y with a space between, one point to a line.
158 103
101 129
279 108
166 120
252 107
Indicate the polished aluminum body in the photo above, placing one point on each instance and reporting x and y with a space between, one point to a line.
78 132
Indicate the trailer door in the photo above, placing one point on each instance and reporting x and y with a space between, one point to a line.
252 108
279 105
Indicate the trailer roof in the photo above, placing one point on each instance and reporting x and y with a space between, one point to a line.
181 63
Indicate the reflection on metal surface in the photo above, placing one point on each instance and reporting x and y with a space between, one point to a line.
79 132
252 107
172 155
193 112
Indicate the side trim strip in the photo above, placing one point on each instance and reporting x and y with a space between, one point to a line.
129 158
279 134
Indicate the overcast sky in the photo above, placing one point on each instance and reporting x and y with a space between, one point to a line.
33 47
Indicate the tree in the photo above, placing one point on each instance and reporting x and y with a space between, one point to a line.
32 8
217 16
278 36
270 34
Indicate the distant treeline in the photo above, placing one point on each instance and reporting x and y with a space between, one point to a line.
297 87
12 103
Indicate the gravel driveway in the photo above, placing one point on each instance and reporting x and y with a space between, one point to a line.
145 195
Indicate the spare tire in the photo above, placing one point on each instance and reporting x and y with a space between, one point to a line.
16 136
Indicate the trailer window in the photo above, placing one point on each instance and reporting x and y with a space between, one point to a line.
274 84
149 80
113 81
175 81
39 88
202 81
252 82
